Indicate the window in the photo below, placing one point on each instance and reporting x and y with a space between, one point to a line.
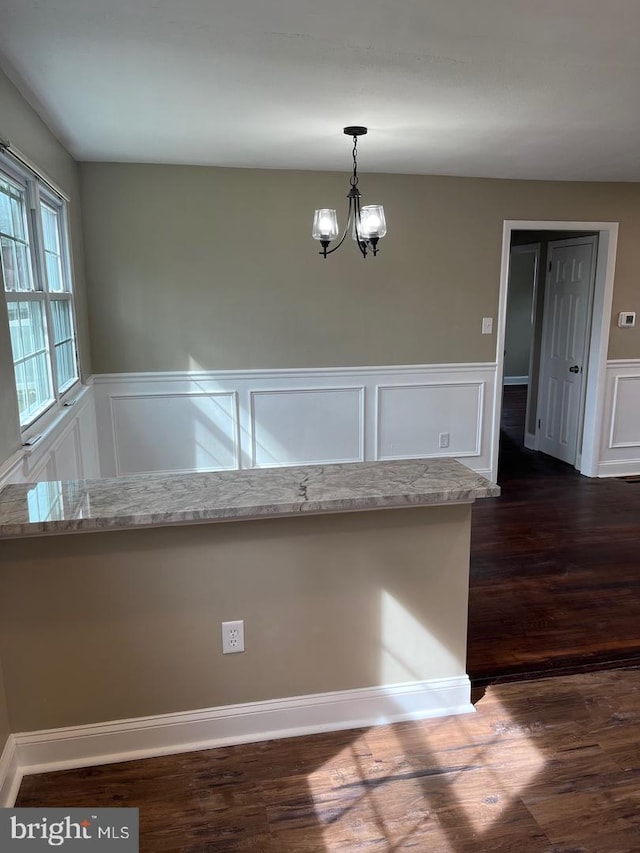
34 261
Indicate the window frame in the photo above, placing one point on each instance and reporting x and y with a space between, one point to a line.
38 191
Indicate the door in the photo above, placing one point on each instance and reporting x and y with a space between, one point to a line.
565 326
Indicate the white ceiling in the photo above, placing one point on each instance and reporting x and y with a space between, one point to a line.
496 88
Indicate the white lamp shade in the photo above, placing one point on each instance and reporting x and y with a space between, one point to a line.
372 221
325 224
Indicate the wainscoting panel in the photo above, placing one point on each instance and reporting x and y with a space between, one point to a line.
67 448
152 422
67 453
625 421
307 426
174 432
413 420
217 420
620 449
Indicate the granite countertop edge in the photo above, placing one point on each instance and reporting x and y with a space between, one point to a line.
279 492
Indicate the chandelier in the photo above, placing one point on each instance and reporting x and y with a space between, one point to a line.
367 223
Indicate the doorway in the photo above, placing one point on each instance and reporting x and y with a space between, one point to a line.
549 306
571 408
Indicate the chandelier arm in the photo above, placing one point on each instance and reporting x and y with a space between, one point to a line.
344 233
362 244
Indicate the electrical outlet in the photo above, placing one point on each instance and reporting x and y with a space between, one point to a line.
443 440
232 637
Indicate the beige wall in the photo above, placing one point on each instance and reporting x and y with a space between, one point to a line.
22 127
215 268
106 626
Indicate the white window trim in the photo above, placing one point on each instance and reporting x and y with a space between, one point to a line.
38 188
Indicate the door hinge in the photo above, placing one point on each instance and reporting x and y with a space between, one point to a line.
550 265
539 423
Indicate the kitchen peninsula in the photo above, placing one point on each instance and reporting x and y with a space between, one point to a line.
351 579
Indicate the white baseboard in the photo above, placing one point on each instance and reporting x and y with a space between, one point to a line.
515 380
145 737
10 774
621 468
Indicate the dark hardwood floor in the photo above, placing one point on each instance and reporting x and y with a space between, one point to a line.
555 566
550 766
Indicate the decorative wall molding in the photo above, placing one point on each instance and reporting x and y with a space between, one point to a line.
218 420
144 427
11 468
515 380
295 417
66 449
411 422
625 411
620 447
312 426
128 740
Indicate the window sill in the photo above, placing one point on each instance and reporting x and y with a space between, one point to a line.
48 424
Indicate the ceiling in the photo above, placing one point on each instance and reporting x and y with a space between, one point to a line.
543 89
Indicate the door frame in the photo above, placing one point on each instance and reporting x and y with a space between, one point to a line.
598 338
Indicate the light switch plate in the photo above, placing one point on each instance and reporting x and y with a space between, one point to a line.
487 325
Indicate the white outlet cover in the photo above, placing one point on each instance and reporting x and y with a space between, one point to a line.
232 637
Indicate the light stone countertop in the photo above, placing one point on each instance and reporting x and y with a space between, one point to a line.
77 506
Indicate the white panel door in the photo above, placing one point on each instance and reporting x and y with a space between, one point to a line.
567 316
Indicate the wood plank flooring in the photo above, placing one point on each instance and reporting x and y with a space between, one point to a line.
555 566
549 766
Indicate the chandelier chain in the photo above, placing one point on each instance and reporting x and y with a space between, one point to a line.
354 177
